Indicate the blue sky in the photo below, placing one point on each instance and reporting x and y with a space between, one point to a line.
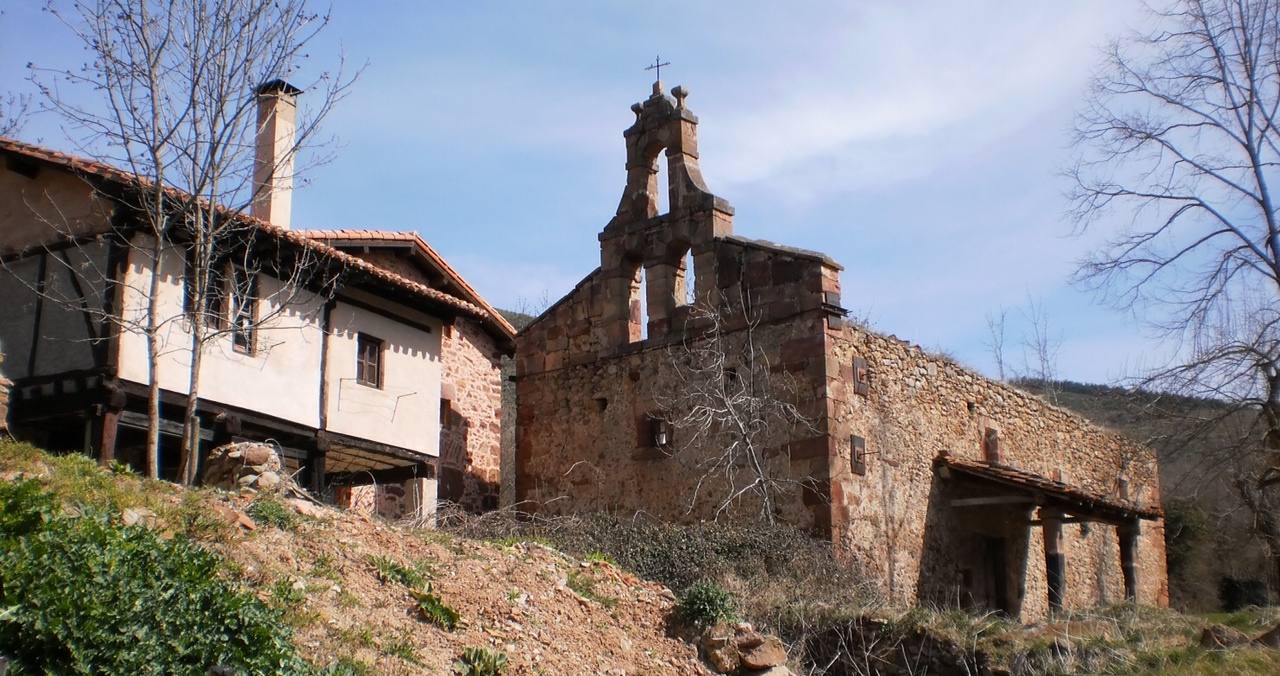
917 143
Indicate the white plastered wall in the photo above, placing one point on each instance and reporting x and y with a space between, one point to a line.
405 411
280 379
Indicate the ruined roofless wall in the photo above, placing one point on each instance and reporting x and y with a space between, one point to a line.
894 518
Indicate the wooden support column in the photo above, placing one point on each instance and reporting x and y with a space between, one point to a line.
1128 535
110 422
1055 561
317 462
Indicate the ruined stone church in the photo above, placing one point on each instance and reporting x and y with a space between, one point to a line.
942 485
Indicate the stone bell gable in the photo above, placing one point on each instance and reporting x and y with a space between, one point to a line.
942 485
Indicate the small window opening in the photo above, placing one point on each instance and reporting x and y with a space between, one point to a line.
215 297
686 282
244 310
369 362
858 454
602 403
661 433
661 201
655 432
638 310
972 406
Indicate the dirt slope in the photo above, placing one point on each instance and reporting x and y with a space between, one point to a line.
515 599
548 613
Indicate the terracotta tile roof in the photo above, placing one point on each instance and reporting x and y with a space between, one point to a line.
108 172
1073 498
420 244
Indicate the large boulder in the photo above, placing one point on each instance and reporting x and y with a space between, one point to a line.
244 466
730 648
1271 639
1221 637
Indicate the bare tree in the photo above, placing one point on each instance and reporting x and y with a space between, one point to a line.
1179 137
13 109
1040 347
176 112
730 409
996 323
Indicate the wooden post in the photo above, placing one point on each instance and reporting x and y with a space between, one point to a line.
317 473
110 425
1055 562
1128 536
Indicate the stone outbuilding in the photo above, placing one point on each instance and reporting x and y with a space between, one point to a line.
943 485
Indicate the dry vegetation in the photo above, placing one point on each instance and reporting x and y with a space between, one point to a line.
365 596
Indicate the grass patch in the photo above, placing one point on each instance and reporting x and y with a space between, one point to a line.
401 647
480 662
600 557
434 610
391 570
266 509
584 586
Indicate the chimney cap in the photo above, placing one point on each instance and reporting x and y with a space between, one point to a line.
277 86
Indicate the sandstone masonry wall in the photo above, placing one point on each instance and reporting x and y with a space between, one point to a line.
598 366
585 408
894 518
471 432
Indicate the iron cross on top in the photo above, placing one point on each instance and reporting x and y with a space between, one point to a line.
658 63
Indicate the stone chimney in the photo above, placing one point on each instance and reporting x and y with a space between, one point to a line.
273 159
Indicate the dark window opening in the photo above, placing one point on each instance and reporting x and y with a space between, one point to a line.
602 403
369 362
244 310
22 166
858 454
214 302
654 432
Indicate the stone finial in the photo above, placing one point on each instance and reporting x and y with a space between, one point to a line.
680 92
637 109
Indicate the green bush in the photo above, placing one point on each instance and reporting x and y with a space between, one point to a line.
480 662
706 603
268 510
81 595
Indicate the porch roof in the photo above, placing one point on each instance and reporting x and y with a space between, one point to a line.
1046 491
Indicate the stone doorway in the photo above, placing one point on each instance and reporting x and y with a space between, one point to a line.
992 588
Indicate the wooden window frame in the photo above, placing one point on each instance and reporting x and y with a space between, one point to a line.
364 364
861 377
243 305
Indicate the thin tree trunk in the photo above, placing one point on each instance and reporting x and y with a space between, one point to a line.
190 426
153 364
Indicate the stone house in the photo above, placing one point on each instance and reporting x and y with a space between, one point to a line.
943 485
381 388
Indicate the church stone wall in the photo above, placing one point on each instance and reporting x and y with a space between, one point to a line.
585 415
589 377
